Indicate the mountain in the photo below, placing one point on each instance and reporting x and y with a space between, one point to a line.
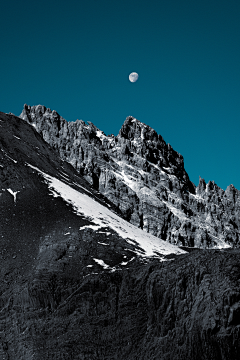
80 278
145 178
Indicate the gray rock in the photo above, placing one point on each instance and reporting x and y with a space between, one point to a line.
57 302
145 178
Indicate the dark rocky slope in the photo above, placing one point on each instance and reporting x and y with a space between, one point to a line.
145 178
57 302
188 308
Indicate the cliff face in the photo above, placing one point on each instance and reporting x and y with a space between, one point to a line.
77 280
145 178
187 308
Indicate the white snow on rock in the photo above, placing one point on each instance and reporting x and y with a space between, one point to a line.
100 134
198 197
180 214
102 217
123 263
93 227
14 194
220 243
102 263
143 192
15 161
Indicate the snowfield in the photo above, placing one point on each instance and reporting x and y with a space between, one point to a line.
102 217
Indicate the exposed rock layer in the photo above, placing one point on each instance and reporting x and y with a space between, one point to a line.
58 301
188 308
145 178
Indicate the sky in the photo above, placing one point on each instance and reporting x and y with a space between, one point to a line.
75 57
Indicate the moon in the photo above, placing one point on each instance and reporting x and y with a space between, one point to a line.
133 77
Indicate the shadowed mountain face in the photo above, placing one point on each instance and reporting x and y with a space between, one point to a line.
78 281
145 178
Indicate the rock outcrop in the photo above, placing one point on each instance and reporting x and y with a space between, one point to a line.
145 179
72 290
187 308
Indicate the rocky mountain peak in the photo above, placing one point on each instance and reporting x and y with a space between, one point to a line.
133 129
232 193
144 178
77 281
33 113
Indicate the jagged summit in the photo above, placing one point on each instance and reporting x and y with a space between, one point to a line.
41 193
145 178
79 281
134 129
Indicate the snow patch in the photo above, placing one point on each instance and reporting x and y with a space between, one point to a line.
142 172
175 211
93 227
100 134
15 161
130 182
13 193
102 263
197 197
102 217
221 244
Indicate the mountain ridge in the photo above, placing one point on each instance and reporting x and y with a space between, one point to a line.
77 281
145 178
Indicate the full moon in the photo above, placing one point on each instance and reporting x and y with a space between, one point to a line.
133 77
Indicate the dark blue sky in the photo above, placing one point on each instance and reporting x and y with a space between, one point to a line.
75 57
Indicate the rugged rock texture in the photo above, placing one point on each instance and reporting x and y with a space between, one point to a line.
145 178
21 145
187 308
68 291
